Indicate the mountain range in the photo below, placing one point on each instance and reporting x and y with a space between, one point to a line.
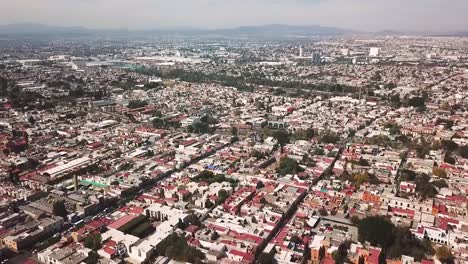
245 31
263 31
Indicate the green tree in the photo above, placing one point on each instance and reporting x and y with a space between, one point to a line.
319 151
340 256
463 151
260 185
234 131
440 184
93 241
31 120
310 133
137 104
282 137
449 145
266 258
208 204
322 211
176 247
416 101
329 138
449 159
377 230
424 187
288 166
222 196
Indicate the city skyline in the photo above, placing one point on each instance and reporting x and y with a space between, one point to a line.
362 15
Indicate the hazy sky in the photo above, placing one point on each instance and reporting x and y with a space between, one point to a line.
146 14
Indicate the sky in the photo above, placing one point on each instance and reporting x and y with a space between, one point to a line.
366 15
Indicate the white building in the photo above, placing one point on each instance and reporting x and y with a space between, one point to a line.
374 52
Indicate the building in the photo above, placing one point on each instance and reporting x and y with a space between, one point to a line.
374 52
316 58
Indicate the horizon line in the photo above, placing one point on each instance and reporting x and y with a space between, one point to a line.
189 28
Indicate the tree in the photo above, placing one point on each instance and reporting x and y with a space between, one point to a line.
260 185
416 101
395 100
31 120
159 123
355 220
404 243
208 204
214 236
282 137
444 255
341 255
222 196
321 253
59 209
322 211
440 184
93 241
319 151
329 138
424 187
449 159
408 175
377 230
200 127
463 152
177 248
296 239
422 151
449 145
288 166
234 131
310 133
137 104
266 258
439 172
363 162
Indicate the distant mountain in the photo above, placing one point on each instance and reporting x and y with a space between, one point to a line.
278 30
421 33
39 29
245 31
265 31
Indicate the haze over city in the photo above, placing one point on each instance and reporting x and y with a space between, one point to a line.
365 15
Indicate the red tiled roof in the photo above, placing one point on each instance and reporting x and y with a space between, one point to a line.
122 221
373 256
245 256
191 229
111 243
328 261
97 223
109 250
132 209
